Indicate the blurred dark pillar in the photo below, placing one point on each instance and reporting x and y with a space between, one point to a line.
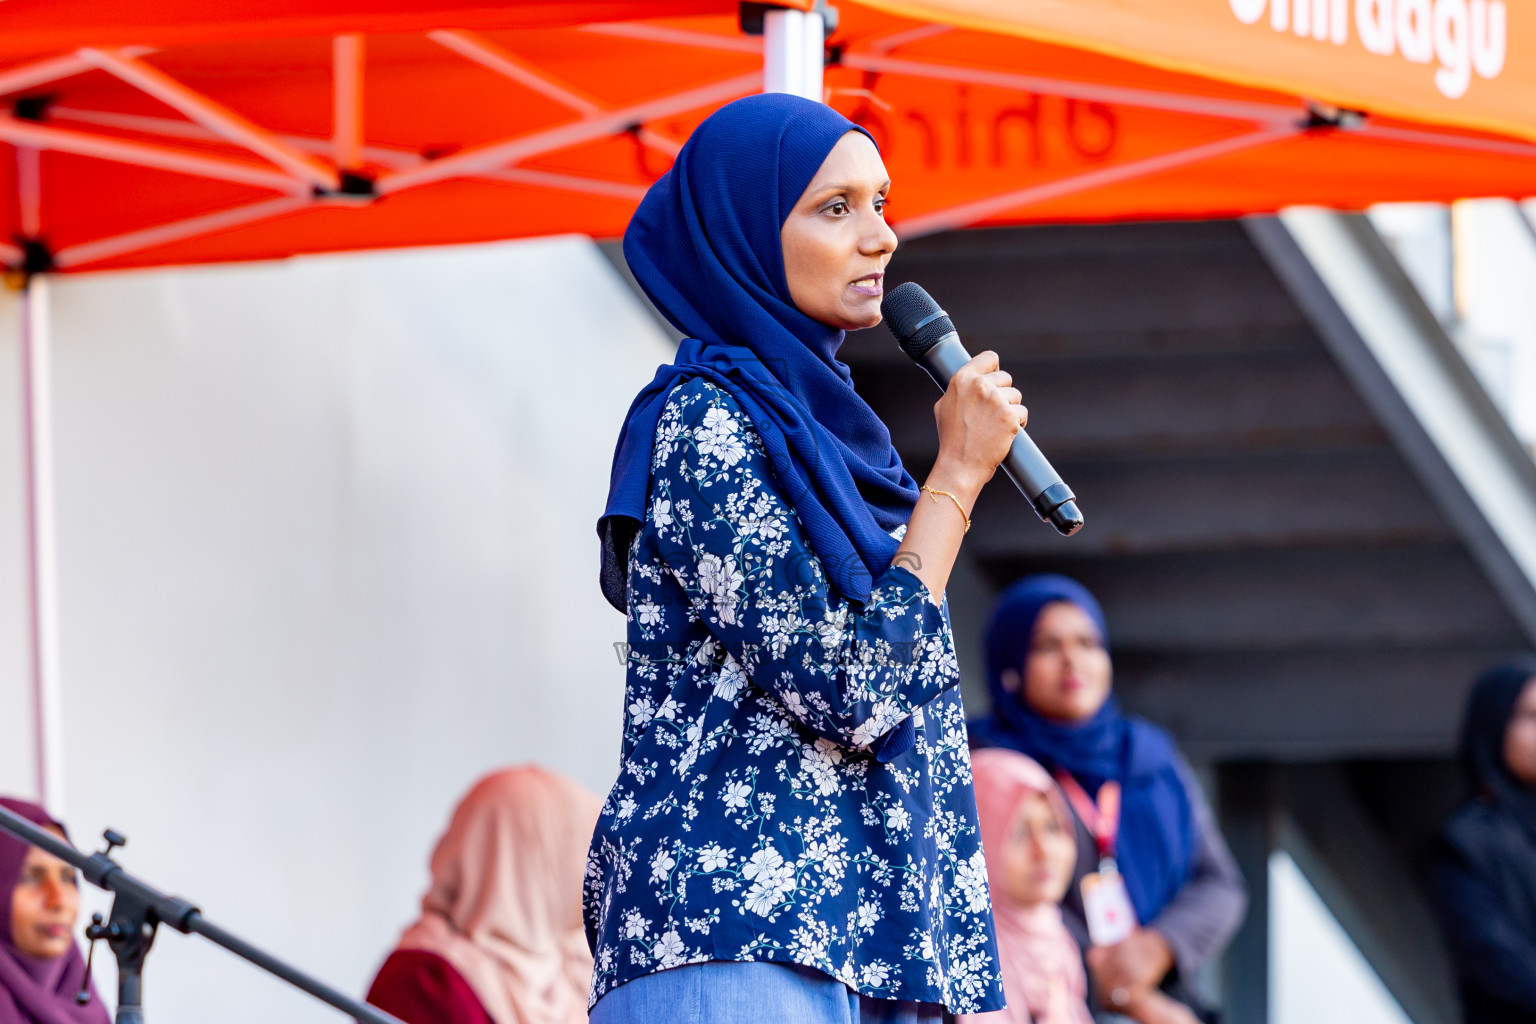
1248 806
1358 832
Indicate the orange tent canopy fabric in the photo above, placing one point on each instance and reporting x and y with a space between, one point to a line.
38 28
1470 63
181 131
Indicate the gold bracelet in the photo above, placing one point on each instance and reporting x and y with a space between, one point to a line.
934 492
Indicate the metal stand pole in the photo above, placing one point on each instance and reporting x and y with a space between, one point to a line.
130 933
792 52
42 565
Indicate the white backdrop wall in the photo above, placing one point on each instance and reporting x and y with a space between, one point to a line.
327 554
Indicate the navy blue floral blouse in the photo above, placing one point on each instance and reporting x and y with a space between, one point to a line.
750 821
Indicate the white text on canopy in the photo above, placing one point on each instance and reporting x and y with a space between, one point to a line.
1462 36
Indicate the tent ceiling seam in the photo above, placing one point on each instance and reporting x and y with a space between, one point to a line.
1420 137
1263 113
346 101
965 214
29 190
171 128
53 69
492 155
176 231
884 44
144 154
212 115
678 37
475 47
482 51
568 182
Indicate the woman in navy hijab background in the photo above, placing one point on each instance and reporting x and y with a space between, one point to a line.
793 835
1484 875
1049 672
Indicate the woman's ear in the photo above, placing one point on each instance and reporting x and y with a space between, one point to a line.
1011 680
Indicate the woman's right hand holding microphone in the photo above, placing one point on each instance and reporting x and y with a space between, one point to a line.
978 417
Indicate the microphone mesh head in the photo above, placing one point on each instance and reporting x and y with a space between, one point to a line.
917 321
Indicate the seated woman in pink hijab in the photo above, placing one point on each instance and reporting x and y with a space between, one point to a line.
1031 850
500 938
40 966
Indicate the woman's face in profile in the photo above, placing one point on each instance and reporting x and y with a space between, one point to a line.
1520 737
44 906
1038 860
1067 673
836 242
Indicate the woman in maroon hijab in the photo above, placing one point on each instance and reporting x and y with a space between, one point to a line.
40 966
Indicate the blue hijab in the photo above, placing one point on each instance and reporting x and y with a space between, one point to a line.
1157 833
704 245
1490 707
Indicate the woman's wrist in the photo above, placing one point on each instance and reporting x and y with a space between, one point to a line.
966 487
1159 943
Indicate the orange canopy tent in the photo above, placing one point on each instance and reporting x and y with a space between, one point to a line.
184 131
1461 62
178 131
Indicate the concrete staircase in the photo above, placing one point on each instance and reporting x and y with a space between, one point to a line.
1299 574
1279 581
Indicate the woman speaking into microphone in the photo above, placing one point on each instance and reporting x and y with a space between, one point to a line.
793 835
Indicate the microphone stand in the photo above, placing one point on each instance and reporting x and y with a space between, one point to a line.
138 910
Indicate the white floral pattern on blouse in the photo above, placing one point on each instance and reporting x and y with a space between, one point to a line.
750 820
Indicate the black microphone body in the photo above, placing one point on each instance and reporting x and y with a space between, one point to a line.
926 333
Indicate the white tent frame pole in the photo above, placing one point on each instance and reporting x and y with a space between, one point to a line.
493 156
529 75
212 115
176 231
504 62
964 215
792 52
54 68
29 134
346 101
42 560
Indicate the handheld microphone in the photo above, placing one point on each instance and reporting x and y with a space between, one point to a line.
926 333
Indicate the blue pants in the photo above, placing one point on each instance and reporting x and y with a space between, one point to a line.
727 992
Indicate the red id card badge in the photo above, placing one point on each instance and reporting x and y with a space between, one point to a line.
1107 906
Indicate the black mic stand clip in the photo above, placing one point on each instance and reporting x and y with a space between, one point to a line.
129 934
